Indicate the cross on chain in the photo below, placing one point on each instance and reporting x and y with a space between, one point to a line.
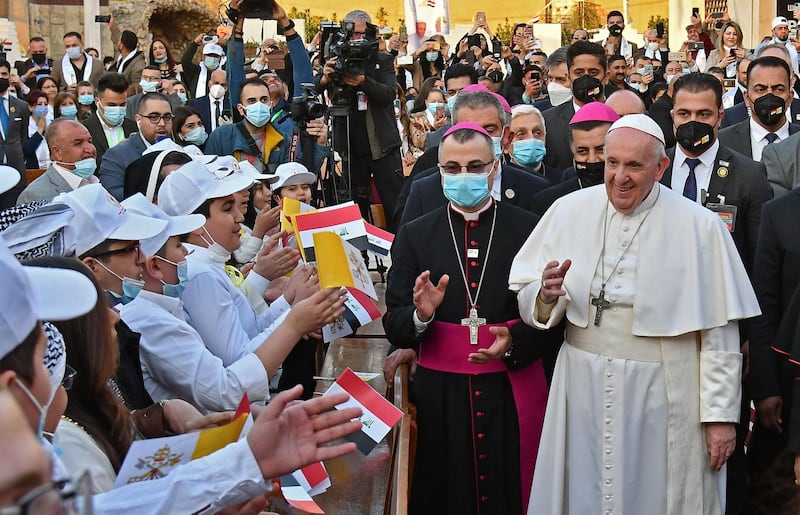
601 304
473 322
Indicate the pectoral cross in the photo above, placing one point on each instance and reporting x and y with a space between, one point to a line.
473 322
601 304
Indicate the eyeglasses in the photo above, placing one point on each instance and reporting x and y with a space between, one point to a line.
69 377
473 167
126 250
156 117
55 499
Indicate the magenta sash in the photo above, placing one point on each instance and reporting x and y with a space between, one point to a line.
446 347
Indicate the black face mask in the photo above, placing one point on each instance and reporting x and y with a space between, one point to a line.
3 85
39 59
615 30
695 137
590 174
770 109
587 89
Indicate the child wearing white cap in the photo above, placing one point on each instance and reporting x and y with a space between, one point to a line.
215 307
175 360
294 181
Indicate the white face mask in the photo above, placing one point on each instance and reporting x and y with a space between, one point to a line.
217 91
218 253
42 409
558 93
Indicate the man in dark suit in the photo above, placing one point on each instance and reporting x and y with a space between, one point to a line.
14 119
587 133
131 60
76 65
151 83
730 184
515 186
155 123
776 277
212 108
768 95
586 65
35 67
108 126
722 179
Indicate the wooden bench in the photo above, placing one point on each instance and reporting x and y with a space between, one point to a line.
403 445
33 174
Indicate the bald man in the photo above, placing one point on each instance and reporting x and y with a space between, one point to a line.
625 101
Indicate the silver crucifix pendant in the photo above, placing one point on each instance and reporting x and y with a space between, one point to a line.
601 304
473 322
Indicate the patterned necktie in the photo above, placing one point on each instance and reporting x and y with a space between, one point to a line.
690 186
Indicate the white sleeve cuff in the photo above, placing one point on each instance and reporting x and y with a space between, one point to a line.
256 283
419 325
720 386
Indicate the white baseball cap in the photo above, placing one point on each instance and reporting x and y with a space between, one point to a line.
233 178
176 225
213 48
293 173
36 293
9 177
100 217
778 21
251 171
185 189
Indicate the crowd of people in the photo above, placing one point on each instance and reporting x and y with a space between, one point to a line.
594 276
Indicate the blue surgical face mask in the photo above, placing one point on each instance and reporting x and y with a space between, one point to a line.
86 100
176 290
431 56
497 141
114 115
450 103
160 60
196 136
257 114
466 189
147 86
130 287
69 112
83 168
74 52
182 96
39 111
433 106
529 152
211 62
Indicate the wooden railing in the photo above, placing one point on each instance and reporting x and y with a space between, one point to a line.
403 444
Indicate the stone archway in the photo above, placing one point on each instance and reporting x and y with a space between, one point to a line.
177 21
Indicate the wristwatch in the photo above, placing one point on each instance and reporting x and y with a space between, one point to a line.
282 30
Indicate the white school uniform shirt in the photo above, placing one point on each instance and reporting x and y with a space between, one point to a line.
221 313
177 364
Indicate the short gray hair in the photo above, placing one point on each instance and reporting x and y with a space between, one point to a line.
523 109
358 15
478 100
464 135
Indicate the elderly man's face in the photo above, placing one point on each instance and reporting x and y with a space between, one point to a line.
631 168
527 126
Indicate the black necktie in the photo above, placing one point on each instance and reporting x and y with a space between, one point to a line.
690 186
771 138
216 113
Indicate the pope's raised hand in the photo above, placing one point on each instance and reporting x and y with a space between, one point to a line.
553 281
427 297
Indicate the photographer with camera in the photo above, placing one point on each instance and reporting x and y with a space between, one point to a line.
367 87
264 136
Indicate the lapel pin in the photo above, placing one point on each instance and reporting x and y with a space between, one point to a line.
722 172
510 193
12 109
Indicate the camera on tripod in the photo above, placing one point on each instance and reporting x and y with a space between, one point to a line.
352 54
307 106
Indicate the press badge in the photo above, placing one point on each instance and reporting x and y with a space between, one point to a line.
362 101
726 212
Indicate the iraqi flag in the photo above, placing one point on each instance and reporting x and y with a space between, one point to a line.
378 417
344 220
359 310
379 241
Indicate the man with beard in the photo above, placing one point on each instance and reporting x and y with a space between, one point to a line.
587 138
617 68
780 35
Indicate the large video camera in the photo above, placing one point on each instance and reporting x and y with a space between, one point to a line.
307 106
352 54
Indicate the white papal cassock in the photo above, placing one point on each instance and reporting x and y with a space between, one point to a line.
623 428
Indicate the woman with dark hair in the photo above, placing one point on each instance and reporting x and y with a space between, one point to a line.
161 56
420 101
50 88
187 127
97 429
85 95
182 91
35 149
146 174
428 62
431 118
65 106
